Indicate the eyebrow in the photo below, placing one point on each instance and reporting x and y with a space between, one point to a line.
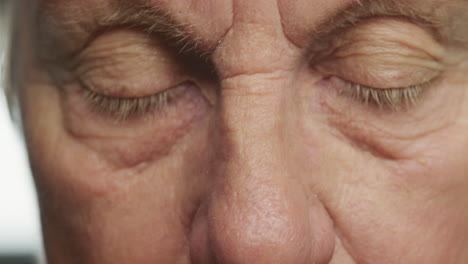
73 35
446 19
152 20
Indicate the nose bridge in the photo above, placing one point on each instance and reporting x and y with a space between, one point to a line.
254 63
250 187
251 110
252 125
253 210
257 212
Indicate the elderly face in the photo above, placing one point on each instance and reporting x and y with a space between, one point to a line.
241 131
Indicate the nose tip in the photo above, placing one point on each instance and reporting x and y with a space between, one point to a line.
261 223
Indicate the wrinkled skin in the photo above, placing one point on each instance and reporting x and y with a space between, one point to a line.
262 154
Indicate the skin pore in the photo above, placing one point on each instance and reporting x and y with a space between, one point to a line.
242 131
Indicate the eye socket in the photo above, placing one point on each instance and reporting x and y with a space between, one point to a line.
376 84
383 62
125 75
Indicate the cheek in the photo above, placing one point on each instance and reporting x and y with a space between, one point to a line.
123 213
413 210
393 199
102 200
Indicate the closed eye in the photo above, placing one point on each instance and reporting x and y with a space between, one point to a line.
391 98
123 108
384 62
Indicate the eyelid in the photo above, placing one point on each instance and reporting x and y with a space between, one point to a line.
381 31
388 51
381 52
124 108
384 92
394 99
125 63
379 73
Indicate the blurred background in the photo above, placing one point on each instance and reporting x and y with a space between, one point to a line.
20 237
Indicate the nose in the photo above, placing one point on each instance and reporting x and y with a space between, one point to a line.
258 210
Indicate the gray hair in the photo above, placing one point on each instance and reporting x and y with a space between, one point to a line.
6 31
16 17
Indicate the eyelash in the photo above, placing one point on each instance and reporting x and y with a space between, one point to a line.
125 108
393 98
